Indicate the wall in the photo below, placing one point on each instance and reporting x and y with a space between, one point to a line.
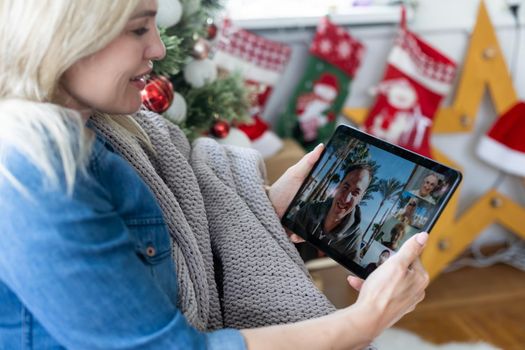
447 25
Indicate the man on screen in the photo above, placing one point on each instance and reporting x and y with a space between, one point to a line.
426 187
336 221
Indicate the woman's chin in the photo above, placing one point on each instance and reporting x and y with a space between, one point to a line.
128 108
134 106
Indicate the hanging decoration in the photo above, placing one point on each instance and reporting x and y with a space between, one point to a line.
416 79
198 73
211 29
334 59
201 49
185 29
225 97
484 66
220 129
177 112
260 61
169 13
158 94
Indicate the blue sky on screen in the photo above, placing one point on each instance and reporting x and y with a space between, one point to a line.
391 167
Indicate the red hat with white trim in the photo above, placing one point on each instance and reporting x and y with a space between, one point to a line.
326 86
263 139
504 145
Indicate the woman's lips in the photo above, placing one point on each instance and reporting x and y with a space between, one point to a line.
139 82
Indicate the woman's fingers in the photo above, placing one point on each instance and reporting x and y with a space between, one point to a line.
355 282
303 167
284 189
398 285
411 249
295 238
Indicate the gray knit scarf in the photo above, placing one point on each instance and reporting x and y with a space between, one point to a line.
235 265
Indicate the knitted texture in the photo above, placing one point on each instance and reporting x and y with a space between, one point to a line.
196 290
236 267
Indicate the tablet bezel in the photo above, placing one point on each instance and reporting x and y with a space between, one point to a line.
417 159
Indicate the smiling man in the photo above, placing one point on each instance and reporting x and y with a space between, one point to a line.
336 221
426 187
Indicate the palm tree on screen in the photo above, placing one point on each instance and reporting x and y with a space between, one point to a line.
388 189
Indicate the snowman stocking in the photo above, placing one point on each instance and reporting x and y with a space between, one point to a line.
261 62
319 97
416 80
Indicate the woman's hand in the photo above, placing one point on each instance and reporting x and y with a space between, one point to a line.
284 189
389 292
395 288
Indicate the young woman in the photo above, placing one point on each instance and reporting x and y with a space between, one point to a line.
396 234
85 260
407 214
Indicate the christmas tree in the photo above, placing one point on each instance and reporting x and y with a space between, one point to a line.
186 86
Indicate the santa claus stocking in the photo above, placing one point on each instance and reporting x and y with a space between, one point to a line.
319 97
504 145
416 80
261 62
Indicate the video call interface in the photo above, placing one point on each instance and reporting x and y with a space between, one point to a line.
365 202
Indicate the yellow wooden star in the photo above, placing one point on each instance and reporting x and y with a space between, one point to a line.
484 66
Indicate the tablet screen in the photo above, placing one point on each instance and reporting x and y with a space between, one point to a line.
365 197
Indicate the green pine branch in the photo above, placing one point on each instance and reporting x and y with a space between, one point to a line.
225 98
211 4
174 60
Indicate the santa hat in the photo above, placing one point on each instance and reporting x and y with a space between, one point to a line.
504 145
326 87
263 139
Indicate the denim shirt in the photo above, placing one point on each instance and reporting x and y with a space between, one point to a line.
92 270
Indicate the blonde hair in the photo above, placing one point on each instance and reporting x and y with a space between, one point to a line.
39 41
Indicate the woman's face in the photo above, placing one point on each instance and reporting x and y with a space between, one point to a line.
111 79
383 257
411 207
397 236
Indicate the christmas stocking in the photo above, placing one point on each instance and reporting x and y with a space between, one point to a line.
319 97
416 80
261 62
504 145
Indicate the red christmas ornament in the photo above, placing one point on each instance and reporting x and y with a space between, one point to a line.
158 94
220 129
212 31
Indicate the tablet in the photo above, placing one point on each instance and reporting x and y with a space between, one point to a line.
364 197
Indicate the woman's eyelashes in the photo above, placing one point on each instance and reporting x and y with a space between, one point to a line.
140 31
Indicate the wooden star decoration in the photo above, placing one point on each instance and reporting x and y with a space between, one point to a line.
484 66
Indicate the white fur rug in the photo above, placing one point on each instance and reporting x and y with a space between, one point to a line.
397 339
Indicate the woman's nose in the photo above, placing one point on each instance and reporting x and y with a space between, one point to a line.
156 51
